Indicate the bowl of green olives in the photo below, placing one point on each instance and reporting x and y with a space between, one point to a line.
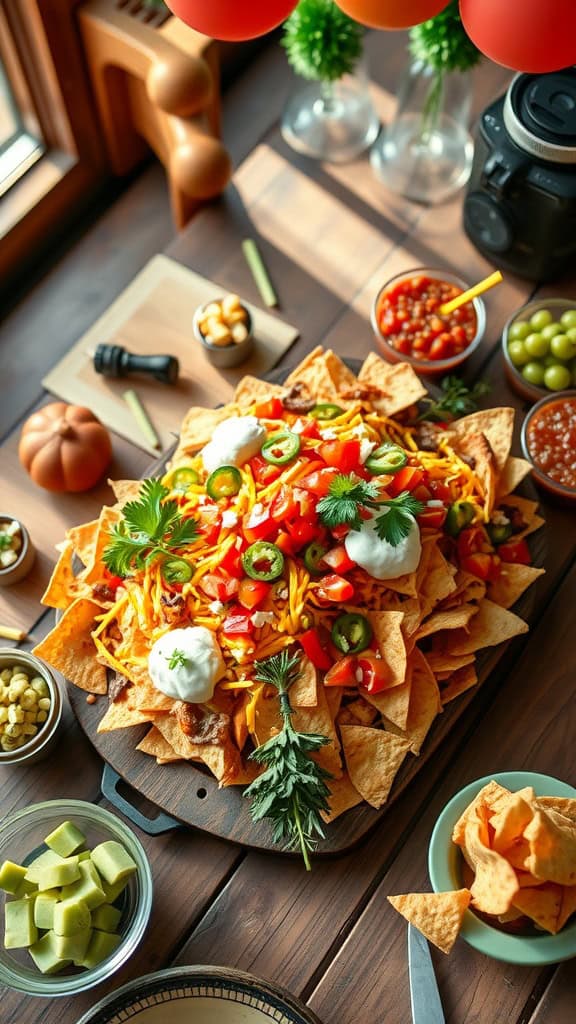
539 348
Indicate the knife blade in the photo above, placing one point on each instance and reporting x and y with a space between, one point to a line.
424 995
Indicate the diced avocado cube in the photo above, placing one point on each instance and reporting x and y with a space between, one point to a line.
55 875
65 839
29 889
88 887
73 947
20 930
71 916
106 918
43 860
84 855
44 908
113 862
45 957
102 945
11 876
112 892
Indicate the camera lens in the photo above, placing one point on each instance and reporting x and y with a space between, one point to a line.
485 223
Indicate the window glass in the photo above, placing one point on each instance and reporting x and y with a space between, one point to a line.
19 149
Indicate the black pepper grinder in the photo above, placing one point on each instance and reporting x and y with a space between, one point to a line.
116 361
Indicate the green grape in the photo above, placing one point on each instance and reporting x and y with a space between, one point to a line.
551 360
571 333
561 346
518 353
536 345
568 319
551 330
556 378
540 318
519 330
534 373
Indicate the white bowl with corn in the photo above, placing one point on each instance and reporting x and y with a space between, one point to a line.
17 553
223 327
30 708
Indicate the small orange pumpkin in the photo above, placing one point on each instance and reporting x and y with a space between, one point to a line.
64 447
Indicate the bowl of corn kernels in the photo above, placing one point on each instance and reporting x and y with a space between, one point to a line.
17 553
30 707
224 329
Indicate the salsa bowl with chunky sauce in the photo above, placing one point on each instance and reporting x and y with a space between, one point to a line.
549 444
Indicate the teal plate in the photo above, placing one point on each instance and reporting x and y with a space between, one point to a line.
443 858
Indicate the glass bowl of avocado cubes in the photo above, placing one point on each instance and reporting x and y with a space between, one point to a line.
75 895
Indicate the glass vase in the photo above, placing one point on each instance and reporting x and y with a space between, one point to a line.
426 152
333 121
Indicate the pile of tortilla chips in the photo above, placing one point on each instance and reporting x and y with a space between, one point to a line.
428 625
521 850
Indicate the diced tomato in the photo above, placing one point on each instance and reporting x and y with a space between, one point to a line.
432 517
302 530
210 522
422 493
439 490
231 562
284 504
264 472
271 409
238 621
111 580
337 559
315 649
285 542
375 672
406 479
258 525
307 428
334 588
342 455
220 588
471 540
515 551
253 592
343 672
318 481
482 564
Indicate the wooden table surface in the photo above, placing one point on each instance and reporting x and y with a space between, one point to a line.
330 235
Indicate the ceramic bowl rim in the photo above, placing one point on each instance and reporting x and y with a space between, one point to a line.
442 860
5 517
536 392
221 348
36 743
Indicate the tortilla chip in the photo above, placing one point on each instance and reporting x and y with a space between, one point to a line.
439 581
451 618
318 719
458 682
565 805
509 823
222 760
198 426
400 385
513 473
542 905
342 377
120 715
387 629
304 690
495 884
155 744
497 425
342 797
518 854
314 373
108 517
440 662
529 514
333 696
568 906
394 703
252 389
125 490
513 580
63 586
438 915
552 849
425 702
488 796
69 648
373 758
83 539
491 626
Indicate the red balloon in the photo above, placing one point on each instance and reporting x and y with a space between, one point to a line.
526 35
232 20
392 14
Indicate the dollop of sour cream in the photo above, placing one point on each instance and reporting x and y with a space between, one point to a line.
196 660
234 441
379 558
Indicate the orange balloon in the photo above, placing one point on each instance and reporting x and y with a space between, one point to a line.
392 14
232 20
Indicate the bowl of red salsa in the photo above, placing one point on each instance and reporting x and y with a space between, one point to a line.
549 443
409 327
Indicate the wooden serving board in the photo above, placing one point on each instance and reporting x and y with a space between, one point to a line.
190 794
153 316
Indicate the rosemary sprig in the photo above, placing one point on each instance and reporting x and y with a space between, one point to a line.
150 528
456 400
347 496
292 791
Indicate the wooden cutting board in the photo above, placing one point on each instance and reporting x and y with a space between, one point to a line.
153 316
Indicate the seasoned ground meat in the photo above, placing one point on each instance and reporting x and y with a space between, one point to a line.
116 686
298 398
103 592
200 725
427 437
514 515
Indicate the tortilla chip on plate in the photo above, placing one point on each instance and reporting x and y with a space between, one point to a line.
373 758
458 682
121 715
157 746
514 472
450 618
394 703
69 647
513 580
425 703
198 426
64 586
387 629
491 626
438 915
542 905
83 539
252 389
497 425
401 387
314 373
342 797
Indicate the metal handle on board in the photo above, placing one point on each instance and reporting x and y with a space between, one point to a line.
152 826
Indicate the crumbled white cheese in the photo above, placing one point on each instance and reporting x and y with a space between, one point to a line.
260 619
366 449
216 607
229 518
328 434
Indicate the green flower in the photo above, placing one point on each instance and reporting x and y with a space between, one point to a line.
442 43
321 41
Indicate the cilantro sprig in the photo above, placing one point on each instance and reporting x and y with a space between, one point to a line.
150 528
292 791
176 659
456 400
346 497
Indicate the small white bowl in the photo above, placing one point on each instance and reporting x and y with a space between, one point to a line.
26 556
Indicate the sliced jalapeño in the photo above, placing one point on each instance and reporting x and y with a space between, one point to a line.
351 633
281 448
326 411
224 482
263 561
386 459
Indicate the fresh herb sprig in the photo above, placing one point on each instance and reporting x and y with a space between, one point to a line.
456 400
347 496
150 528
177 659
292 791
